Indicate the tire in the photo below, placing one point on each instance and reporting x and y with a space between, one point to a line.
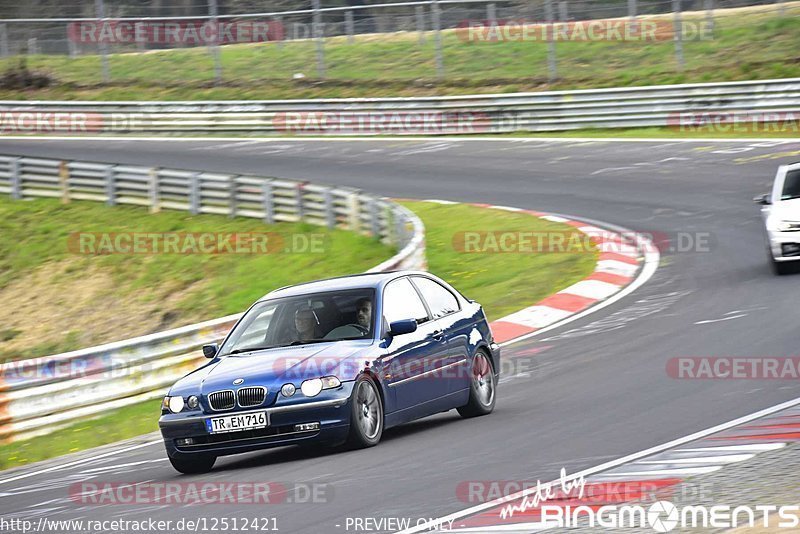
482 387
194 464
782 267
366 415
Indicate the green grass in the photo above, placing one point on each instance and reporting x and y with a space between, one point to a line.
503 283
746 45
110 297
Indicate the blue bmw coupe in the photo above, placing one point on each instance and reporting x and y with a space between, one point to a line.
334 361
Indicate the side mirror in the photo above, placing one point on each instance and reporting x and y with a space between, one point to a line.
762 199
209 351
405 326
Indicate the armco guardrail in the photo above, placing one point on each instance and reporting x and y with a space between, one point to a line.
666 105
42 394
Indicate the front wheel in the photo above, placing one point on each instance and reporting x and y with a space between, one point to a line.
366 415
481 388
193 464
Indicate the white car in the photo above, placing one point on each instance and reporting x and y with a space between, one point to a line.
781 212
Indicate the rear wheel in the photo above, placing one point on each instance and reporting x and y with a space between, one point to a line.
482 387
366 414
193 464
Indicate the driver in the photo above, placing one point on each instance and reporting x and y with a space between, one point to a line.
305 322
364 312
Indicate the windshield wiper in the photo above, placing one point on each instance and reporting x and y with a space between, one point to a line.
292 344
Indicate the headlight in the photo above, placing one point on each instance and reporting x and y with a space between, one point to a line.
175 404
311 388
193 402
288 390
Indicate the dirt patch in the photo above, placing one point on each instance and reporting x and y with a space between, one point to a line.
82 307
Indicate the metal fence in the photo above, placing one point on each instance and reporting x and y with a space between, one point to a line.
685 107
43 394
313 41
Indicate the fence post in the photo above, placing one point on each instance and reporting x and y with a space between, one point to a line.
782 7
213 11
552 72
63 178
16 179
100 12
3 40
33 46
268 202
632 9
300 207
491 14
420 17
678 27
348 22
284 34
155 205
563 11
330 215
374 217
319 37
232 189
437 29
399 230
111 189
194 193
710 16
354 212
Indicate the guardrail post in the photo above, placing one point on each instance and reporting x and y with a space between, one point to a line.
3 40
16 179
268 202
354 212
111 186
63 178
232 188
552 72
348 23
319 37
710 16
284 34
491 14
155 204
678 27
437 35
299 199
194 193
330 215
420 18
782 8
563 11
100 12
400 229
374 216
632 9
213 11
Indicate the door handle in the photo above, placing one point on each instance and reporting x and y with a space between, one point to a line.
438 335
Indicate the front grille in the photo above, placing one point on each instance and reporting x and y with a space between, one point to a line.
252 396
222 400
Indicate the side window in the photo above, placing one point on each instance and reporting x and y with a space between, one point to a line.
401 301
440 300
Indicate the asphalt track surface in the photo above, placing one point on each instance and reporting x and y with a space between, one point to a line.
597 388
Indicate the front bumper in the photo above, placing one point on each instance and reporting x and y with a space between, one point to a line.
784 246
331 409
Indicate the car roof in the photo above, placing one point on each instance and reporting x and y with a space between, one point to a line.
356 281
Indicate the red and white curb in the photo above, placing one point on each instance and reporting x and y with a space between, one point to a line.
650 473
625 257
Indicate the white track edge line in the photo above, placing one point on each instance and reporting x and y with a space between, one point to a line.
781 140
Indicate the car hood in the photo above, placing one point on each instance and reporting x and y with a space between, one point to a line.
274 367
787 210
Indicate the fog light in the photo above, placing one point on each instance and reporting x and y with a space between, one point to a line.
306 427
288 390
184 442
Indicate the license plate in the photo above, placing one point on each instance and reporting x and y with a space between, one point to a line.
237 423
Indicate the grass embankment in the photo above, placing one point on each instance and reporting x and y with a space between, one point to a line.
503 283
748 43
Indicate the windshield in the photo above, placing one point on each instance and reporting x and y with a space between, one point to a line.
314 318
791 185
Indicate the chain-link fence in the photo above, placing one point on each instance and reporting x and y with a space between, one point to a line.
107 41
